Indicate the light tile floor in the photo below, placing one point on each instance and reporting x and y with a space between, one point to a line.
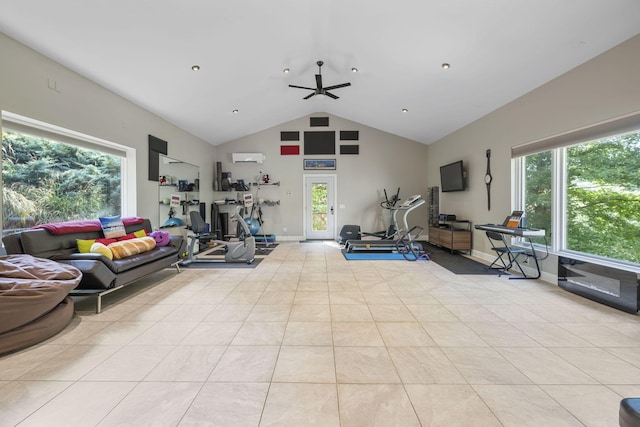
309 339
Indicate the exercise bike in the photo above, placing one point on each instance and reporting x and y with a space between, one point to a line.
243 250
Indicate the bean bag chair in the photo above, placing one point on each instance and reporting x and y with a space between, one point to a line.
34 302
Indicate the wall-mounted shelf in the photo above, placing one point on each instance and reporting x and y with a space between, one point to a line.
265 202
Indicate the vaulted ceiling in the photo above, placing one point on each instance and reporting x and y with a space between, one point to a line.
144 50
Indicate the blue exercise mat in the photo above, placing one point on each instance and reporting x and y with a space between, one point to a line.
374 256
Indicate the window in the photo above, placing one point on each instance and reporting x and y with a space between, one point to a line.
536 194
586 195
603 197
52 175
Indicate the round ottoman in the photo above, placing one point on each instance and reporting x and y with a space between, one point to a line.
34 302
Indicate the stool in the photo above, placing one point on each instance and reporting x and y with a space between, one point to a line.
629 415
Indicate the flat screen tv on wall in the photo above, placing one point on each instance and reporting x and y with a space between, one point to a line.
452 177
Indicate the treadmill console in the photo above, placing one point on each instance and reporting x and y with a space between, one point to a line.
411 200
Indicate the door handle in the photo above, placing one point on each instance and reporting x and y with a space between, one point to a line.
331 210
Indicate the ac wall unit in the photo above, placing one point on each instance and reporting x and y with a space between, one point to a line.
247 157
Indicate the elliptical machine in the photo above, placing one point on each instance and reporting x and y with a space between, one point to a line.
387 204
353 232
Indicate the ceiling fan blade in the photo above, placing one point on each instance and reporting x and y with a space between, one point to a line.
319 81
337 86
302 87
309 96
330 95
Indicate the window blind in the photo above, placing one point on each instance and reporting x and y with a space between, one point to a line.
617 126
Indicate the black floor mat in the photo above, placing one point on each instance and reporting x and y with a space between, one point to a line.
222 264
457 263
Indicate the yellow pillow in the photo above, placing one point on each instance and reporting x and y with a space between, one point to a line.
99 248
140 233
84 246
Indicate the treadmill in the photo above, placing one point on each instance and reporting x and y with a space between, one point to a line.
404 241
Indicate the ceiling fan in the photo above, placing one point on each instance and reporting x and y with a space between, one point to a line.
319 90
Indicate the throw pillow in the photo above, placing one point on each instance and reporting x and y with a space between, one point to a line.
140 233
112 226
126 248
99 248
84 246
162 237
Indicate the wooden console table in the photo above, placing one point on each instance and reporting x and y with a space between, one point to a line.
453 235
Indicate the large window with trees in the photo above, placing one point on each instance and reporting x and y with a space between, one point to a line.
586 195
536 193
52 177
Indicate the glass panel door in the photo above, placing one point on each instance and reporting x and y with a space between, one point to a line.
320 206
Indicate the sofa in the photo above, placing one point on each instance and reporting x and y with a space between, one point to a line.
100 275
34 301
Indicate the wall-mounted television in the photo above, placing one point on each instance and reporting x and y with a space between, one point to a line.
452 177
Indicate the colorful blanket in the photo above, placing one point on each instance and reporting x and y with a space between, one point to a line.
82 226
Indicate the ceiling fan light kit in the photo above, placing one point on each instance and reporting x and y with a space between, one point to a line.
319 89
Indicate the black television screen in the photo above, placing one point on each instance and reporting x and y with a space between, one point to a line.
452 177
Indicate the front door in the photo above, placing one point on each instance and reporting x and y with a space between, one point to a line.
319 206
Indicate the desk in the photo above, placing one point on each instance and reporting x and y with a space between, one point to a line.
527 233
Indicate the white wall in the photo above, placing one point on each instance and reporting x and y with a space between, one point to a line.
385 161
83 106
606 87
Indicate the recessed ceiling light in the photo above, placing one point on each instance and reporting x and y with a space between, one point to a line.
405 110
195 67
354 70
446 66
285 70
236 111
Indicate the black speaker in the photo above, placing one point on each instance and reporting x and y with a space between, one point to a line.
217 185
290 136
349 149
215 222
224 224
349 135
203 211
318 121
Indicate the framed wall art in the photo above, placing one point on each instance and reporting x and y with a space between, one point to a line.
319 164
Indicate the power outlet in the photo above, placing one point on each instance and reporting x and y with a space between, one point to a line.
284 229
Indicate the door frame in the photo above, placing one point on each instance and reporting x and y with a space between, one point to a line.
333 178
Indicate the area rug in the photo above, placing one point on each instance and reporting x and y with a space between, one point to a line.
262 250
376 256
265 248
222 264
457 263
